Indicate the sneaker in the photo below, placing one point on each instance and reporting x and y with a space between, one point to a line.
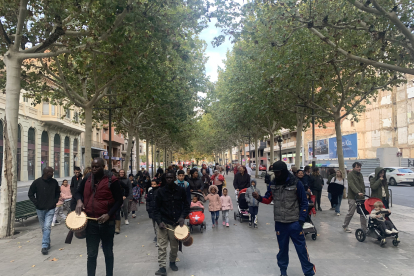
161 271
126 222
388 232
348 230
250 224
44 251
134 216
156 245
53 224
173 266
57 222
155 239
338 214
255 225
320 209
212 226
217 222
227 225
332 208
395 231
272 203
224 223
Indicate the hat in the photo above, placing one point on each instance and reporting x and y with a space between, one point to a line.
279 166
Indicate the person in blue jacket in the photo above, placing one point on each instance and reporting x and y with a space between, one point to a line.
290 212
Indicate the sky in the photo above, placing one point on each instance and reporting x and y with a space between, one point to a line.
215 55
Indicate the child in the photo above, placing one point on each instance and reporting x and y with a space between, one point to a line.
196 203
226 206
152 191
136 196
214 205
252 202
184 184
65 195
384 225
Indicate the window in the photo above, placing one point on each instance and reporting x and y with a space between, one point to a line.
68 113
26 100
45 108
352 123
97 137
76 117
405 170
53 110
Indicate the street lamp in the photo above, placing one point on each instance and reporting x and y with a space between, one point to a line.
241 161
132 165
279 141
158 157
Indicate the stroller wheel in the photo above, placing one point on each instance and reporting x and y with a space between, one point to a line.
241 218
314 236
395 242
383 242
235 216
360 235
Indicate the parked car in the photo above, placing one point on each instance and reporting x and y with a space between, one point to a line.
397 175
262 168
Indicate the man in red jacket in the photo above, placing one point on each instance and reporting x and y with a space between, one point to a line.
102 197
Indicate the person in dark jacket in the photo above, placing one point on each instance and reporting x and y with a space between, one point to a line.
331 175
196 184
150 204
100 197
206 181
171 209
379 186
44 193
74 183
306 178
290 213
316 185
127 194
241 179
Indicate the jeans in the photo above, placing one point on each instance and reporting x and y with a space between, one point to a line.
253 210
45 220
225 214
338 206
215 216
94 234
125 208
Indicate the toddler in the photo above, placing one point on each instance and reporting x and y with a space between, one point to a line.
65 195
378 214
226 206
214 205
196 203
252 202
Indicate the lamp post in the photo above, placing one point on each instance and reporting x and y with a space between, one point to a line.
279 141
132 165
241 161
158 157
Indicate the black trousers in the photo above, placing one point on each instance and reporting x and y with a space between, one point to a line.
382 225
385 202
220 189
318 195
94 234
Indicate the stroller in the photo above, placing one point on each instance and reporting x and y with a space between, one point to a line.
242 207
364 207
309 227
196 216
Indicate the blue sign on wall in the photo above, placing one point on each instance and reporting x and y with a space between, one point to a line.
349 146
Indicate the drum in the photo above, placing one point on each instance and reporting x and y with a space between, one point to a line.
76 223
182 233
188 242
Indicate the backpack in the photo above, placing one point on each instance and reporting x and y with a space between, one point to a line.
136 193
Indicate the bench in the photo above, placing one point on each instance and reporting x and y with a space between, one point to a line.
24 210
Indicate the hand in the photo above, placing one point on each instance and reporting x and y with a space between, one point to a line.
199 191
361 194
389 212
103 218
237 189
181 222
162 226
79 207
123 198
378 216
191 190
255 195
381 178
314 215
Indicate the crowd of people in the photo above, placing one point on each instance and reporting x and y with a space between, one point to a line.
106 197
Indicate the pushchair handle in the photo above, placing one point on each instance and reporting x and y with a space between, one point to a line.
360 198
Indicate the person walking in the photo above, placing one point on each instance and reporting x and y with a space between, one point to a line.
227 169
290 213
336 187
171 209
100 197
306 178
331 175
241 179
379 186
214 205
127 194
206 181
44 193
196 184
136 196
65 195
217 179
183 184
226 206
74 183
150 205
316 185
252 202
356 190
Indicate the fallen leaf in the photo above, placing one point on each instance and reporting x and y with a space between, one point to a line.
126 236
143 245
267 223
80 255
12 261
28 241
61 248
318 235
54 260
18 242
20 246
33 265
148 254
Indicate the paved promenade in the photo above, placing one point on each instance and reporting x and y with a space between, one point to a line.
238 250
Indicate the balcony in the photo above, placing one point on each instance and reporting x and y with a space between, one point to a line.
52 115
95 145
285 145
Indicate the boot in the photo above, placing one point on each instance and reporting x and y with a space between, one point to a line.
117 226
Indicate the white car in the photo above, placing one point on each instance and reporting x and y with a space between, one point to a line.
397 175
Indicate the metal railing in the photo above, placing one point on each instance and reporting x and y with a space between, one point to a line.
389 191
94 144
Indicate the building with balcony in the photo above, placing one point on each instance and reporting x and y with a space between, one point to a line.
118 145
48 135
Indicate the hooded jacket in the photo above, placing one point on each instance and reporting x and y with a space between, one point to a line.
377 184
251 201
241 181
150 201
214 201
316 182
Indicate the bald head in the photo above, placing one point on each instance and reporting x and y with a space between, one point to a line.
47 173
98 165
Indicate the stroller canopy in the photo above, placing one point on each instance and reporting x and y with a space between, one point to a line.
369 203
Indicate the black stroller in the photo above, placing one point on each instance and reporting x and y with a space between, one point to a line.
309 226
242 207
364 207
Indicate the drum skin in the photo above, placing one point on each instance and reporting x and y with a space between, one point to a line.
76 223
181 233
